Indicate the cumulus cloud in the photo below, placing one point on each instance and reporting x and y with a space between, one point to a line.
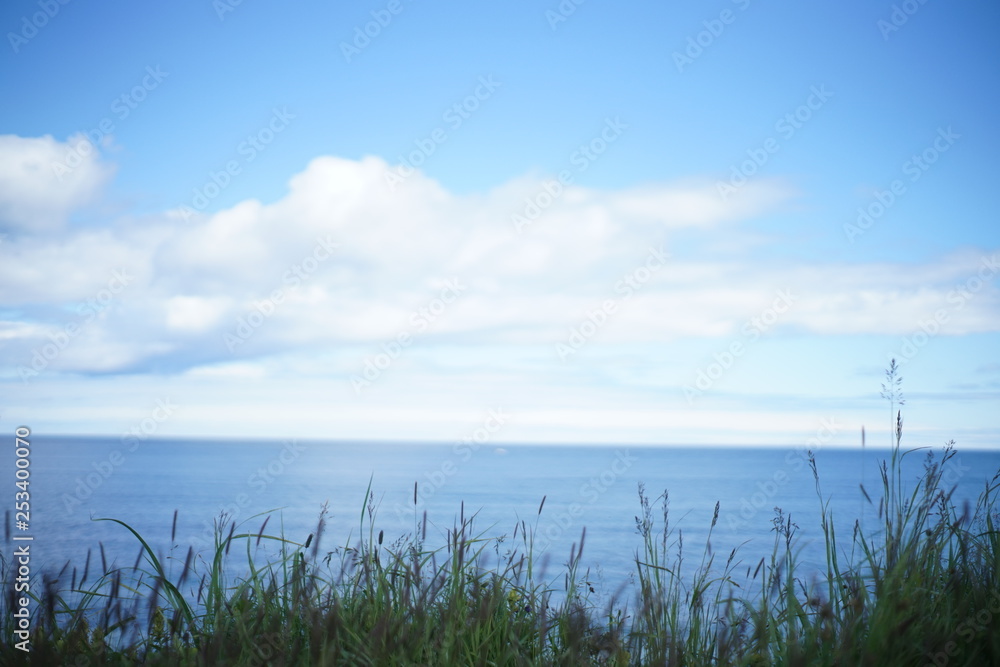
43 180
341 261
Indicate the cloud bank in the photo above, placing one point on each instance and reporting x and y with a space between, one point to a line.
343 260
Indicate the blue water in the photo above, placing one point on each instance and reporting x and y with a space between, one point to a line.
76 479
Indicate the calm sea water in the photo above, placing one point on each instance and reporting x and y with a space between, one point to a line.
74 480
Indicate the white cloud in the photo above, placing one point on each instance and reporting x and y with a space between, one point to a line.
194 314
15 330
228 371
43 180
73 268
193 283
696 204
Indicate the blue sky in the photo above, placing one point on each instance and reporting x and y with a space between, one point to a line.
683 223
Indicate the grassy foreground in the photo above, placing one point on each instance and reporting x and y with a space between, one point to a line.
919 588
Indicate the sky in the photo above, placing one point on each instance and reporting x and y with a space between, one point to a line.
687 223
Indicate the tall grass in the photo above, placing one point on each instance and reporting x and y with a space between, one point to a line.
919 588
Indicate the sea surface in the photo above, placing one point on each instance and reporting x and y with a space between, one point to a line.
75 480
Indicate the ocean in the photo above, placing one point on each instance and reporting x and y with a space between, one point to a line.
75 480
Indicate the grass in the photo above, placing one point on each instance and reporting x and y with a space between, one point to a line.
918 588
